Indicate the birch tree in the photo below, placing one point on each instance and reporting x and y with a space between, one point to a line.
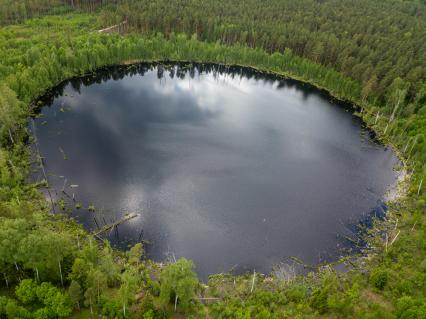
178 282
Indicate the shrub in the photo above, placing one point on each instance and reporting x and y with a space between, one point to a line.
379 278
319 300
296 293
26 291
409 308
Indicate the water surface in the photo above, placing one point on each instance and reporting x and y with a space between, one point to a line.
226 166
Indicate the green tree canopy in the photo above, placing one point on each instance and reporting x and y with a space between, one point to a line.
178 281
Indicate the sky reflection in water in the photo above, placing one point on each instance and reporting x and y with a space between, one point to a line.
232 169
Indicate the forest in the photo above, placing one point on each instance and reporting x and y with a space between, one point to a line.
370 53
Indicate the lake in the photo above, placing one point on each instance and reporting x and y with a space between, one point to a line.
226 166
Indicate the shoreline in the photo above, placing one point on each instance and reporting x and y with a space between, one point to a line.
393 193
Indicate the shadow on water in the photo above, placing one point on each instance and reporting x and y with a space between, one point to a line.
227 166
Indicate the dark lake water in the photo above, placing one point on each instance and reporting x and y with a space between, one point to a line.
226 166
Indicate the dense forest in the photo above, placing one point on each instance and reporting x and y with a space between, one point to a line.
369 52
17 11
370 41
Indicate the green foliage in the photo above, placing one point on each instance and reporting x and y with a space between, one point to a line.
148 314
319 300
45 251
111 308
3 303
12 232
261 304
14 11
178 281
13 310
54 302
379 278
75 294
296 293
409 308
11 112
26 291
147 305
374 60
135 254
373 42
128 288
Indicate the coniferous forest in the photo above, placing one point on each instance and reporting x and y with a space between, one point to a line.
369 53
